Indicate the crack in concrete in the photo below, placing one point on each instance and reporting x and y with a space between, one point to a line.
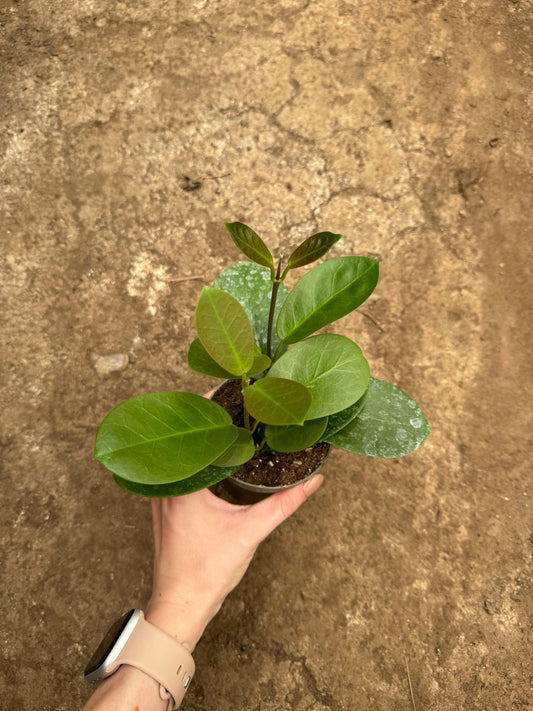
431 218
325 698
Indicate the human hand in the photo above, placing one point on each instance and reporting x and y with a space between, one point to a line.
203 546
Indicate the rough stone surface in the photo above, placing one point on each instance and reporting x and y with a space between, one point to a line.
130 131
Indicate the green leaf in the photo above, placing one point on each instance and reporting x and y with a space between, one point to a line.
326 293
252 286
340 419
294 438
250 244
261 363
225 330
312 249
239 452
390 424
201 362
277 401
204 478
163 437
332 367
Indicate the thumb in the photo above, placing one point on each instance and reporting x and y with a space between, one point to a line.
269 513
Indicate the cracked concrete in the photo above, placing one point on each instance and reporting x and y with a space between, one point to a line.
131 131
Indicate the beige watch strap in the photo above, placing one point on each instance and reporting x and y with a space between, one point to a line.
160 656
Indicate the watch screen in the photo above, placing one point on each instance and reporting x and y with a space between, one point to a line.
108 642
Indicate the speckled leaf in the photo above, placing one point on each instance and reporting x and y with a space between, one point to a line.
331 366
390 424
239 452
294 438
163 437
277 401
251 285
312 249
201 480
250 243
225 330
325 294
340 419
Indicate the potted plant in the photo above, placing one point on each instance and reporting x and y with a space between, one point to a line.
289 394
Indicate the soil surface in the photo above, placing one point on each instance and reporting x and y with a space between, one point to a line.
266 468
130 132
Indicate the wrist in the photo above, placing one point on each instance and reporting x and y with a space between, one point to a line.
185 620
126 688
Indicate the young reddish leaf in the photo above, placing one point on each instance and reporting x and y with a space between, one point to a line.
312 249
250 244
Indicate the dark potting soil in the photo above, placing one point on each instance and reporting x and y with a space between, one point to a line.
268 469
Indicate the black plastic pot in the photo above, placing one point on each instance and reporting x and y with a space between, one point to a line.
241 492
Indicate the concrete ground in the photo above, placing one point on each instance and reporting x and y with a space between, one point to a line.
130 132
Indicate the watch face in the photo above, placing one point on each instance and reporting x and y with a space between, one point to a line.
108 643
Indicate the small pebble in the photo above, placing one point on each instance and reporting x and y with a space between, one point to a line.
243 648
110 363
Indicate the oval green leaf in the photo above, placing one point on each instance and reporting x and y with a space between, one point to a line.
325 294
390 424
294 438
277 401
201 480
163 437
332 367
252 286
201 362
250 244
239 452
340 419
225 330
312 249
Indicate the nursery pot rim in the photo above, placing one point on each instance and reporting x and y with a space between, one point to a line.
257 492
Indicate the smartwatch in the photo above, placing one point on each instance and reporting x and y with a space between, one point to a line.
134 641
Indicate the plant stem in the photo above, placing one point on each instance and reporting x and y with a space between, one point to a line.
245 382
277 281
271 317
278 351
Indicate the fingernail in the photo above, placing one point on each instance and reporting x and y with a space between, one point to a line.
312 484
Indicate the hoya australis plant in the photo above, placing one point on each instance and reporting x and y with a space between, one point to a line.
298 388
